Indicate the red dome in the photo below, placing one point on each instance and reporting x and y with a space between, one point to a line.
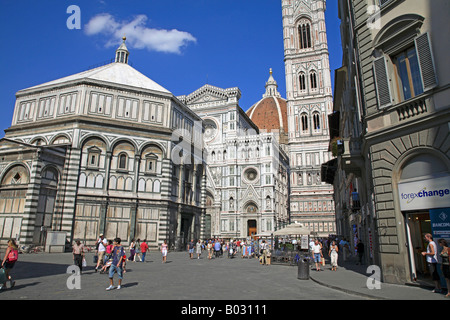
270 113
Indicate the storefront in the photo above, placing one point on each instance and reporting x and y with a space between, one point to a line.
424 197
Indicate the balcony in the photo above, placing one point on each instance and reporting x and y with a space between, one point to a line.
352 160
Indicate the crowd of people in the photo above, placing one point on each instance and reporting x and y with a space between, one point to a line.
334 247
111 255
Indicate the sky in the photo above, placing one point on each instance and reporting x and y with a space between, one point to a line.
180 44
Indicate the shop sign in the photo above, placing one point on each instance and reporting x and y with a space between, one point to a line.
440 223
425 194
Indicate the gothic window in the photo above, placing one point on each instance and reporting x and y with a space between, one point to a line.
316 121
304 34
304 121
302 82
313 80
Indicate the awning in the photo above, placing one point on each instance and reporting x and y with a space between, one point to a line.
292 229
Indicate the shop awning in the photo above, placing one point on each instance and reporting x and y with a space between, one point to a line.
292 229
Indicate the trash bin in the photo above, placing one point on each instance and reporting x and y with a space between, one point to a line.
303 269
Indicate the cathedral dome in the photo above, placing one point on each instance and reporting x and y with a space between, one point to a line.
270 113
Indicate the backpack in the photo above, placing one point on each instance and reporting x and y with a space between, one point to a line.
13 255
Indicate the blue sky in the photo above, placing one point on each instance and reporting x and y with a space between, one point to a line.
180 44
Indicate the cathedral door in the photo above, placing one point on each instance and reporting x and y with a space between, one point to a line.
251 228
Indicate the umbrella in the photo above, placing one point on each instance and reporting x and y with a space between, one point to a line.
292 229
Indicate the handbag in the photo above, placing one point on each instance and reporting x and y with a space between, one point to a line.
84 264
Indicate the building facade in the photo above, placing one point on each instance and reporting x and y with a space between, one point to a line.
309 102
395 83
91 153
247 179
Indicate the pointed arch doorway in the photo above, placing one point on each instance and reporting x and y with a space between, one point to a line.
251 228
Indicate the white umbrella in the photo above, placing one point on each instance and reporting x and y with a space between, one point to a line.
292 229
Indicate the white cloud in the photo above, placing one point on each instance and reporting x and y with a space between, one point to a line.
138 35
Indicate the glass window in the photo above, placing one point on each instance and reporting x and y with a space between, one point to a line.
408 74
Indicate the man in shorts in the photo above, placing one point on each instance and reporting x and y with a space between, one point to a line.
317 251
117 256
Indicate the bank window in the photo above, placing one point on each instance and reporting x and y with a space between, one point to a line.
408 74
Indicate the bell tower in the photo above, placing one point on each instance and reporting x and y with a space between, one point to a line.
309 102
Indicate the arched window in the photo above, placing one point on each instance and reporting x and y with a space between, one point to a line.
316 121
122 159
313 79
304 120
304 34
302 82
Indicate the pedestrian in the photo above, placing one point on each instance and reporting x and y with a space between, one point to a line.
137 250
191 246
101 251
132 250
217 247
198 249
333 253
264 250
164 249
317 251
432 260
210 249
144 249
360 251
8 262
78 254
445 263
118 256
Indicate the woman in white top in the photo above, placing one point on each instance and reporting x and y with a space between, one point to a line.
333 253
432 260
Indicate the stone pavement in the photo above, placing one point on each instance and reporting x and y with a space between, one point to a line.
44 276
352 278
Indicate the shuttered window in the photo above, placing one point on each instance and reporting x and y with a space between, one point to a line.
414 72
382 82
425 57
